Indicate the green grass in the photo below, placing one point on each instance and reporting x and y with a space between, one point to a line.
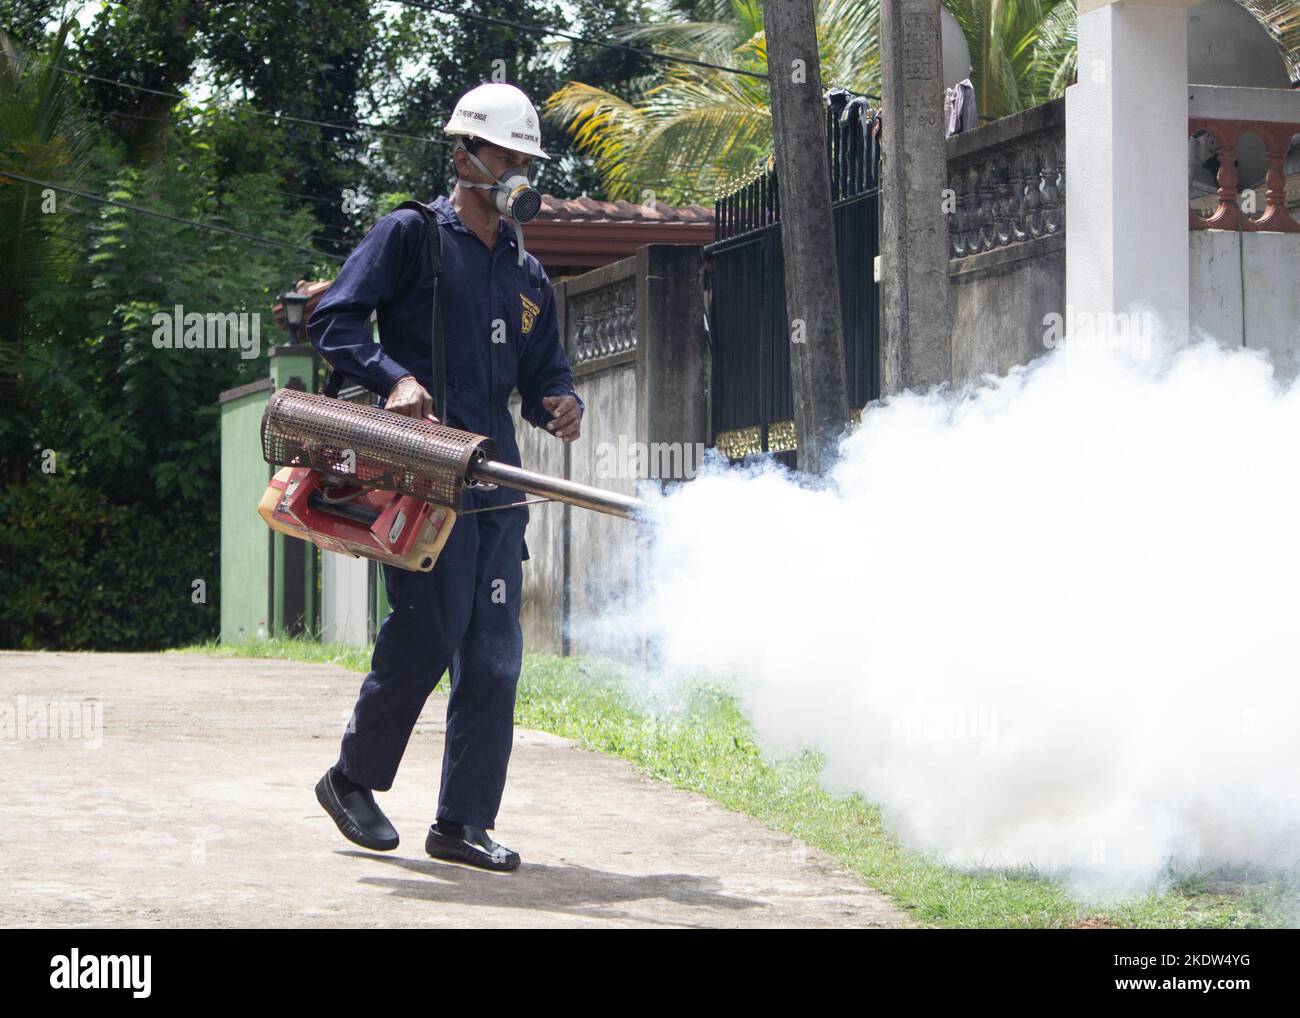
704 744
354 659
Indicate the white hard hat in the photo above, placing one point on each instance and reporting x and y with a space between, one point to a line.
499 113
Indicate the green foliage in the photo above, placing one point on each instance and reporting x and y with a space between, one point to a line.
422 62
80 572
151 45
306 60
685 131
44 136
137 421
135 428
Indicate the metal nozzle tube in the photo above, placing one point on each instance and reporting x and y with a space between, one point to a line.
581 495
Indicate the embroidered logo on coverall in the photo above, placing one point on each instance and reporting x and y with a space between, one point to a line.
528 313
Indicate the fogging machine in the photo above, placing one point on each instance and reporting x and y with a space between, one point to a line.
374 484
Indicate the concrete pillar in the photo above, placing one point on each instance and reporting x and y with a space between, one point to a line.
672 361
1126 163
916 329
812 279
293 610
292 366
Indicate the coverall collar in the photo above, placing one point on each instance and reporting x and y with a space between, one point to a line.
446 212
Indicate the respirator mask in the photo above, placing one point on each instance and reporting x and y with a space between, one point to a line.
512 195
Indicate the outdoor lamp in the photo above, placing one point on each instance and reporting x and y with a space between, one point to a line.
293 302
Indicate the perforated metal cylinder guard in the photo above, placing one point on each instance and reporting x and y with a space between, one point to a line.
371 447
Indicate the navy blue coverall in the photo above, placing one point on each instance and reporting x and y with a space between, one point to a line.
501 333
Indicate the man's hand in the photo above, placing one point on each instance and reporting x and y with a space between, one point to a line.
409 398
566 416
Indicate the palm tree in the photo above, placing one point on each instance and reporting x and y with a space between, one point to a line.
690 124
1282 20
693 130
1022 51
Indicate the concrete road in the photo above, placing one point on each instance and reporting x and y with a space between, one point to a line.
176 790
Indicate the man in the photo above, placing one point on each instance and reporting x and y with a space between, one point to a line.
499 317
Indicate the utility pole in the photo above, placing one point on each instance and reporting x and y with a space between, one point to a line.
916 326
812 279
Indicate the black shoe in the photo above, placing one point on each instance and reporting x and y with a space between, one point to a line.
356 813
471 846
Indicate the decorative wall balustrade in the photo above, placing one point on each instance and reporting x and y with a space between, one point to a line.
1007 181
603 321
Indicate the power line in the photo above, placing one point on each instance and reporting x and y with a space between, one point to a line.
434 8
200 127
171 122
369 128
174 123
196 223
305 197
253 112
659 185
210 127
546 30
273 116
320 123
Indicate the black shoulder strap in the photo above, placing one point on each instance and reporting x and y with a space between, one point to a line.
435 326
439 394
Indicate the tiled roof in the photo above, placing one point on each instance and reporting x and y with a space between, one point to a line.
591 210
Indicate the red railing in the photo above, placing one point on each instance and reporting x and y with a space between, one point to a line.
1228 214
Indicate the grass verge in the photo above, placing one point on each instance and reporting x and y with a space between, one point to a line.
704 744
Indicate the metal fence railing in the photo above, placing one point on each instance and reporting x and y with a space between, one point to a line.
751 401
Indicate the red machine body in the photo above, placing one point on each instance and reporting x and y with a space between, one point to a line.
386 526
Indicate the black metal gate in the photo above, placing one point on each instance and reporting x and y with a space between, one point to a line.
752 407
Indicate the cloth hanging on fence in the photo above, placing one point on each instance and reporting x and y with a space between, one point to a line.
876 130
858 109
959 112
856 119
